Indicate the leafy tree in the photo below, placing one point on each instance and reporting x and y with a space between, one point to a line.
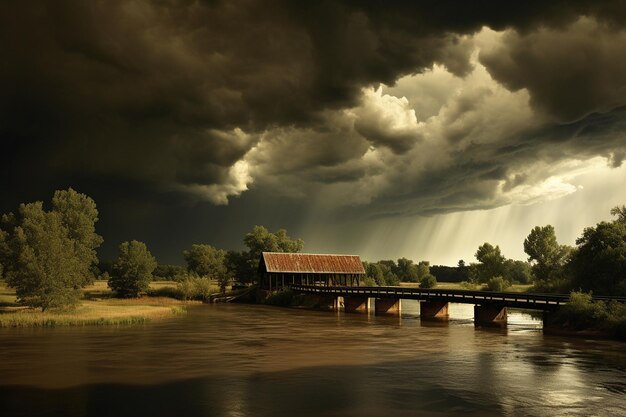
262 240
423 270
462 269
407 270
620 212
48 255
168 272
548 258
259 240
599 264
205 261
132 270
79 215
375 272
390 277
491 262
518 271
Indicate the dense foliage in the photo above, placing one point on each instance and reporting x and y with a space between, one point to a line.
582 313
132 270
48 255
209 262
244 265
599 263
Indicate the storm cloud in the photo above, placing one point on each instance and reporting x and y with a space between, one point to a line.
372 108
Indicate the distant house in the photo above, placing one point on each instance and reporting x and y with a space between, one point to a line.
280 269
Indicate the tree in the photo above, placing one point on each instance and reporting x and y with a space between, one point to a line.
48 255
407 270
620 212
375 272
207 261
548 258
261 240
423 270
79 215
132 270
518 271
491 262
169 272
599 263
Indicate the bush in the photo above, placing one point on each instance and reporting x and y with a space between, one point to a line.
195 288
497 284
170 292
582 313
468 285
369 282
428 281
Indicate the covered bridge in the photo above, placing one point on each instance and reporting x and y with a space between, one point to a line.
280 269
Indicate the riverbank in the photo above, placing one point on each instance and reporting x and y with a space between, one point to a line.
97 308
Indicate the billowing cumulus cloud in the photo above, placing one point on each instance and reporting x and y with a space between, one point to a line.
479 145
365 108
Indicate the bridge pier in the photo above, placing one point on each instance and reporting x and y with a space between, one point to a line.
434 310
356 304
392 306
489 315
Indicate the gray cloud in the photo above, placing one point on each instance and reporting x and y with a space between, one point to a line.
570 72
205 99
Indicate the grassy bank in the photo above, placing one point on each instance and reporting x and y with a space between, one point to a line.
98 308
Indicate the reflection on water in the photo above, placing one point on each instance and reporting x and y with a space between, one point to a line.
239 360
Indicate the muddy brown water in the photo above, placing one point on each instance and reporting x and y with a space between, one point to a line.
244 360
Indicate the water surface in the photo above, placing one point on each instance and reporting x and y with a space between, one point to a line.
241 360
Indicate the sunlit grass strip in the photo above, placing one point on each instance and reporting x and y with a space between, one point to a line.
90 314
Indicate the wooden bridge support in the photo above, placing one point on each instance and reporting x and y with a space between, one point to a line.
489 315
390 306
434 310
356 304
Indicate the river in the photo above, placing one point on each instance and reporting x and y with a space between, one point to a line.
257 361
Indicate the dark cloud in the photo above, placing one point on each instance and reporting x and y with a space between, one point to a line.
570 72
204 99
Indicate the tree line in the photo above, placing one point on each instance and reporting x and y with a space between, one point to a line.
596 264
48 254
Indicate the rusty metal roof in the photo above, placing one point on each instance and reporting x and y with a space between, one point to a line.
311 263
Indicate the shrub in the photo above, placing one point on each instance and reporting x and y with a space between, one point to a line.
195 288
369 282
497 284
468 285
428 281
170 292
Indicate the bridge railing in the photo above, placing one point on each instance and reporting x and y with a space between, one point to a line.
513 299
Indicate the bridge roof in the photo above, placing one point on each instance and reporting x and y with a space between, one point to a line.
309 263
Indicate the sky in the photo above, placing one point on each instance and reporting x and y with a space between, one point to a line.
383 129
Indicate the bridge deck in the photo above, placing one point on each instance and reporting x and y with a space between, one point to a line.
504 299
